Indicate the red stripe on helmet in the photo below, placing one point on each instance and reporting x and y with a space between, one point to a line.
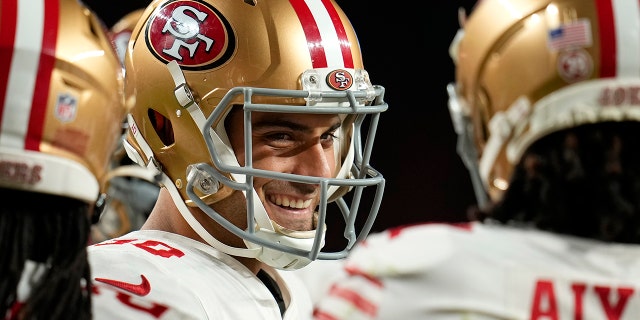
345 45
311 31
43 80
607 38
8 14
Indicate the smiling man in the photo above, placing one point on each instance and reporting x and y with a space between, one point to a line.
254 124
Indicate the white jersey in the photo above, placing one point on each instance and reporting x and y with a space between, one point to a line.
475 271
151 274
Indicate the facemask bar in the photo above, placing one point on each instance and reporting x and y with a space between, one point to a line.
465 146
361 173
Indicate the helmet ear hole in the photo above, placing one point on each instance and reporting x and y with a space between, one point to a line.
162 126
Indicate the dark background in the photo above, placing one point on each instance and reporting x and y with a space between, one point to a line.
405 49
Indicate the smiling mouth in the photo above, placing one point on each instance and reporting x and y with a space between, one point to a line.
290 203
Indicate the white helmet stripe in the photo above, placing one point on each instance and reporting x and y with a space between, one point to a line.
627 13
29 75
328 43
615 41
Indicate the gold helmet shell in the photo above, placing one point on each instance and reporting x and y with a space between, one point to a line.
526 68
62 106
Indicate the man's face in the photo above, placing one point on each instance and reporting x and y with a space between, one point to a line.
303 144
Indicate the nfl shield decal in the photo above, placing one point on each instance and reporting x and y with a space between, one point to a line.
66 107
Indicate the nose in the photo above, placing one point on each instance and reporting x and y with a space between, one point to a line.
315 161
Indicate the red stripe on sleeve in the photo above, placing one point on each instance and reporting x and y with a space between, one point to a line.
311 31
356 272
9 12
355 299
322 315
43 80
345 44
607 38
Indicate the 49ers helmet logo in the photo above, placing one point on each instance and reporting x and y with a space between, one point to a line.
340 79
191 32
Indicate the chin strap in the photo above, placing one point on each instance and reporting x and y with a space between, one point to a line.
162 179
200 230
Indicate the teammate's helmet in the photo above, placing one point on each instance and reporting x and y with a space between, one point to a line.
62 105
526 68
191 61
121 31
130 192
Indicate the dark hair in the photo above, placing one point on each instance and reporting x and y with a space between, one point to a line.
583 181
54 231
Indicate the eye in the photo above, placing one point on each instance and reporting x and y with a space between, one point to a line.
278 136
278 139
328 139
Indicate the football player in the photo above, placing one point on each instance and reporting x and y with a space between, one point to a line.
258 120
61 115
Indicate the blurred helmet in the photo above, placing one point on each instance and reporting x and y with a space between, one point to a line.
131 191
121 31
191 61
61 98
527 68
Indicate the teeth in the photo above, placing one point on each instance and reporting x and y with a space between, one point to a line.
292 203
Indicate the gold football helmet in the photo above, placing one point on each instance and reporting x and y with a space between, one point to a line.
191 61
62 106
527 68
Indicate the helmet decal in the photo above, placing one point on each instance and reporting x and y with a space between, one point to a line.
66 107
569 35
192 33
616 96
326 36
575 65
340 79
18 170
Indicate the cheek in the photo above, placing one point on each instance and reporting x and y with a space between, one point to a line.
237 145
272 163
258 183
239 155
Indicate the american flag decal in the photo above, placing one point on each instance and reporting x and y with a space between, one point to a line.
573 34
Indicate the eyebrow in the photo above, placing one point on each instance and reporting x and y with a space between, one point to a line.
289 124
